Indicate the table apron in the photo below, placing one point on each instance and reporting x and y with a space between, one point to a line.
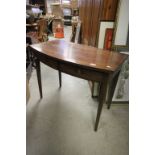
81 72
71 69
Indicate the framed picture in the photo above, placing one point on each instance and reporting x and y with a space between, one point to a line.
108 39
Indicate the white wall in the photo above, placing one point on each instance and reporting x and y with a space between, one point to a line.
122 27
122 23
27 1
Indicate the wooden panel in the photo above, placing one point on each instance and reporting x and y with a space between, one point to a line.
91 12
95 22
85 13
87 22
109 8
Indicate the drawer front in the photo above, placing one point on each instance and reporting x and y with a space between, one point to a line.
81 72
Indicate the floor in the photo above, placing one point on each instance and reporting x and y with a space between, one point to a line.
62 123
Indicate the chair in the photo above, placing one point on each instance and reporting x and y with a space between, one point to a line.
41 34
42 30
35 37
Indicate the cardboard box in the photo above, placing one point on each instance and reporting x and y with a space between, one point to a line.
74 4
56 9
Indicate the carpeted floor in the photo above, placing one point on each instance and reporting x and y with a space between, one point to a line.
62 123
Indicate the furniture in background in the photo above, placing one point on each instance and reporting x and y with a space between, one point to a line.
75 18
56 10
74 28
40 34
57 23
29 58
40 3
32 15
42 30
32 27
67 16
76 31
29 63
49 18
82 61
27 91
67 11
74 4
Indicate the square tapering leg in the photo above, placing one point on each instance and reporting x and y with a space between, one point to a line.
102 99
111 90
39 77
60 80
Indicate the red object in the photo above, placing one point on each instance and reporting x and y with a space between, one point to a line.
59 32
108 38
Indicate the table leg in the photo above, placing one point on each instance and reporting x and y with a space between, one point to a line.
39 77
102 99
60 80
111 90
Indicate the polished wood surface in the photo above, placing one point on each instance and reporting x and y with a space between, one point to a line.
89 16
95 23
83 55
82 61
108 10
85 12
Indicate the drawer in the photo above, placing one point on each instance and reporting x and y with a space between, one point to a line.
81 72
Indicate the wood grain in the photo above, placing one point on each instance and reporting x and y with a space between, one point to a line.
82 55
109 8
91 12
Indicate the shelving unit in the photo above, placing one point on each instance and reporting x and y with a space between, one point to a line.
40 3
